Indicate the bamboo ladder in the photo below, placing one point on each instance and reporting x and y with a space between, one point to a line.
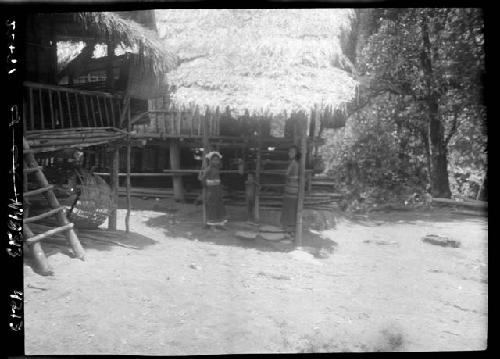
30 166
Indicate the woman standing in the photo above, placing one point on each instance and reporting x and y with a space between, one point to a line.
291 195
210 177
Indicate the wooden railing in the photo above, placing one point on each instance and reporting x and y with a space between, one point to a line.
49 107
177 122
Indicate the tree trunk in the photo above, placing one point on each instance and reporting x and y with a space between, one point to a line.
440 186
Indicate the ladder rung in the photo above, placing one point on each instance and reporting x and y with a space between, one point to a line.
38 191
49 233
43 215
32 169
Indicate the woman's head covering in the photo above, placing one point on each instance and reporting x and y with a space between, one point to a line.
213 153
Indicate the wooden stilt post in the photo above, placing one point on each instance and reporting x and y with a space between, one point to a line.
302 170
114 184
205 151
38 254
257 171
129 150
175 160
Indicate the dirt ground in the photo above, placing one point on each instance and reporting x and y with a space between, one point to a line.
184 290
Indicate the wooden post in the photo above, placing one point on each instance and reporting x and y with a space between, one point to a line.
205 152
302 170
129 149
115 164
38 254
175 160
257 171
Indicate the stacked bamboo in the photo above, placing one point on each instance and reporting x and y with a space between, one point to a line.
53 140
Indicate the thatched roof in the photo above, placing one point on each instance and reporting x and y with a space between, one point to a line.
260 59
109 26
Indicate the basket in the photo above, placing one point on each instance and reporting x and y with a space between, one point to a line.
93 201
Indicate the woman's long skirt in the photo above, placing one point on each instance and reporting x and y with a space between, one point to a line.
216 211
289 212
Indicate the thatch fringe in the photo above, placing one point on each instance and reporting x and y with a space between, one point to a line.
109 26
267 61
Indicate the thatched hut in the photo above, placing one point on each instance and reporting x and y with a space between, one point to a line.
77 98
251 72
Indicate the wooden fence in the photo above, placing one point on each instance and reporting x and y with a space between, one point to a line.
49 107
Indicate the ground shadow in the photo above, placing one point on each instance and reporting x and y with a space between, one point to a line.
96 239
188 225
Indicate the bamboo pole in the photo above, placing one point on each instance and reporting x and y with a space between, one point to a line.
52 119
54 203
69 110
32 109
94 119
25 115
127 218
41 109
86 109
113 118
190 120
114 182
302 172
106 113
78 111
100 110
38 254
258 170
205 152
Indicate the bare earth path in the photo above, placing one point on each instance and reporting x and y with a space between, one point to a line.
189 292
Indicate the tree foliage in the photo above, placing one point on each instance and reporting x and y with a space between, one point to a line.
420 98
